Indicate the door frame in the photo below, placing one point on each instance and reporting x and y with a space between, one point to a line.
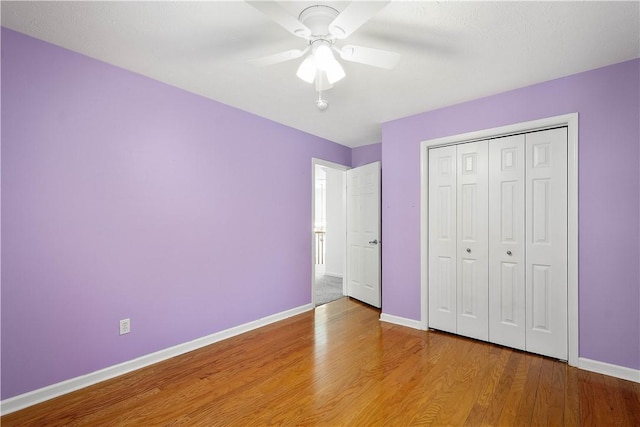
571 122
319 162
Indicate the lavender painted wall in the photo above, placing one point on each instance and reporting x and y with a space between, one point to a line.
366 154
125 197
608 103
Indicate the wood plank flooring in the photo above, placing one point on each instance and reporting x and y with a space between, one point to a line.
341 366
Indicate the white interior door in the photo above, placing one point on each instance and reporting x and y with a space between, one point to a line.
363 234
472 247
507 241
442 239
546 235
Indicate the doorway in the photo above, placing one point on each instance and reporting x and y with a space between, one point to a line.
329 231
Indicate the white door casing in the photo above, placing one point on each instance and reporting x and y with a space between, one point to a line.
472 242
442 239
507 242
363 234
546 234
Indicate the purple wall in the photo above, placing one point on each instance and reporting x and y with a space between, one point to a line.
125 197
608 103
366 154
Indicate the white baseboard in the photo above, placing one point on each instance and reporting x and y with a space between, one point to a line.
583 363
609 369
332 274
36 396
402 321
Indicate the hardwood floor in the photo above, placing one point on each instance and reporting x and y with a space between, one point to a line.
342 366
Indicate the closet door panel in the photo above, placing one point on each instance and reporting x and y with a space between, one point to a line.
472 250
507 241
546 242
442 238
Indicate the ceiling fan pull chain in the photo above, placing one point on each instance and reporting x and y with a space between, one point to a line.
322 104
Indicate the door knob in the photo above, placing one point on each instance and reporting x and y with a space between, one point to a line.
468 250
509 253
373 242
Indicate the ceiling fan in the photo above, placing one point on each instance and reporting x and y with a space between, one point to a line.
322 27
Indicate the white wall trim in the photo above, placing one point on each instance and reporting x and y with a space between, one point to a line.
569 120
402 321
36 396
603 368
609 369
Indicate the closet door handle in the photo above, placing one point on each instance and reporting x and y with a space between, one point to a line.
509 253
468 250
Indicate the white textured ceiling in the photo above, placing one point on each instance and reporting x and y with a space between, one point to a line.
451 52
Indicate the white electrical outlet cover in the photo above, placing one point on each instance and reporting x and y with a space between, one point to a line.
125 326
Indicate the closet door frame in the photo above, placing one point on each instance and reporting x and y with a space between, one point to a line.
571 122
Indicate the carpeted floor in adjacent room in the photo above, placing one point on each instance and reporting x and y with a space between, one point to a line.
327 289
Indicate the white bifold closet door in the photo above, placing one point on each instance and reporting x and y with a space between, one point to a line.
546 247
472 254
507 241
458 299
498 241
442 239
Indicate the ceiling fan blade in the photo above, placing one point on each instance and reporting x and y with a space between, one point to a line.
369 56
277 58
278 14
353 16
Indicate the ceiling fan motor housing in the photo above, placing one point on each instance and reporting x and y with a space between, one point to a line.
317 18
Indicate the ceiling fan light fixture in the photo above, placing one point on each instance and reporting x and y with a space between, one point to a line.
307 69
324 57
335 72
